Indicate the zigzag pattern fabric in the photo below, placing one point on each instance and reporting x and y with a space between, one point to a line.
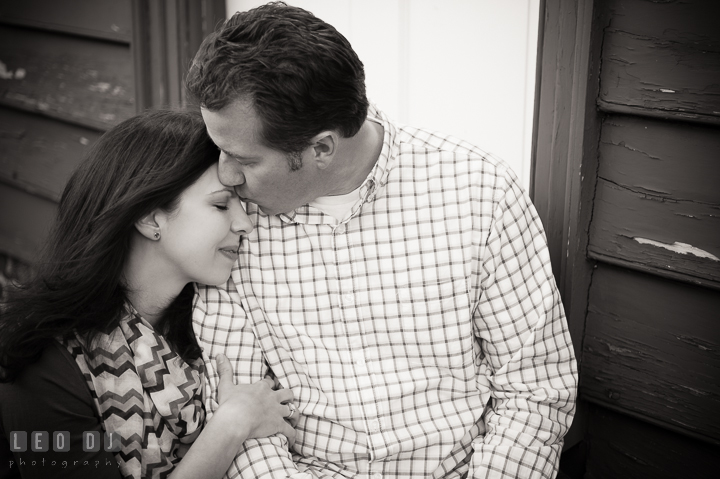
144 392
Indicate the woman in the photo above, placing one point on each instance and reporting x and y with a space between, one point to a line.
101 339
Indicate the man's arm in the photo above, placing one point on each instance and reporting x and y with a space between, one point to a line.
526 348
222 326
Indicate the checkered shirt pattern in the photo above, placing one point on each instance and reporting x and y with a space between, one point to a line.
422 336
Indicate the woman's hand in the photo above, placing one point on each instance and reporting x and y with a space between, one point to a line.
246 411
257 409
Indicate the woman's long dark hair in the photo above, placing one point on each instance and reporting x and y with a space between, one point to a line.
141 164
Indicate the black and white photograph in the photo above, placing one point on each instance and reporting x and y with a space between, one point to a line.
359 239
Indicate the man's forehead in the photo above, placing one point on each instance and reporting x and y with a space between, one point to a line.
232 121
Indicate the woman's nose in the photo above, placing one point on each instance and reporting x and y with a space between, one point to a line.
241 223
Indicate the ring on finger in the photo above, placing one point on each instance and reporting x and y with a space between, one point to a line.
292 410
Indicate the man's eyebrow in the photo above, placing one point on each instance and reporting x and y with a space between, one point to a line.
234 155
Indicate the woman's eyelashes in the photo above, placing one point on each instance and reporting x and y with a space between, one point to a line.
222 207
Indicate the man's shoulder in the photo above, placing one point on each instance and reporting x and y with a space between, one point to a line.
435 140
452 152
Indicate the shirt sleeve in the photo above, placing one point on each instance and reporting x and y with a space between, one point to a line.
51 395
527 351
221 327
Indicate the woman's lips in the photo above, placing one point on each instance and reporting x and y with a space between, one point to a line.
231 253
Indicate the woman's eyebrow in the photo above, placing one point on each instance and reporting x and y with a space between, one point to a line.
227 189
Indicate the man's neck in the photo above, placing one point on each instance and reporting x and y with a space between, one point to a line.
357 157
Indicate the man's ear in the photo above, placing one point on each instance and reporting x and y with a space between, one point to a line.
323 146
148 226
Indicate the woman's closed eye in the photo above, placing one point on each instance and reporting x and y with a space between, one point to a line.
222 207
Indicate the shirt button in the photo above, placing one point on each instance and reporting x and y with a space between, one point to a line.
348 298
360 362
374 426
377 475
340 229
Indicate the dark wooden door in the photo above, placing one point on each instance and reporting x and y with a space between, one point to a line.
627 181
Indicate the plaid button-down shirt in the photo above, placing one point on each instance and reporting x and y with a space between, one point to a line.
422 336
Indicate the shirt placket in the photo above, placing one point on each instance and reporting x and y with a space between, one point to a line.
356 337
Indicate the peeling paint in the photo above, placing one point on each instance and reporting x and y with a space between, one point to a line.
682 248
19 97
6 74
698 343
101 87
619 350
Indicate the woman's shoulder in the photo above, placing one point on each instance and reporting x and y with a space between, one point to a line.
54 382
51 395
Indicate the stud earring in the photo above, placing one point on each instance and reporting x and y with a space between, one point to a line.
157 235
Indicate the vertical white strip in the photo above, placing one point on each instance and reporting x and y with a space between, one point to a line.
404 61
533 18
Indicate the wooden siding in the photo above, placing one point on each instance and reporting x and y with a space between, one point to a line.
644 168
658 198
25 220
651 349
70 78
622 447
660 77
677 238
107 19
662 59
657 204
652 346
40 153
69 71
66 75
669 160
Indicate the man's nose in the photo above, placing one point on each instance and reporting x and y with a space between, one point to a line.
229 171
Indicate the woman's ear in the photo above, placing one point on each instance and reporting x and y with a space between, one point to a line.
148 226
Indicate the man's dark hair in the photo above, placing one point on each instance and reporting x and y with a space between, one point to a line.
299 73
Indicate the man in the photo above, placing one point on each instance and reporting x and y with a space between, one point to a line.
397 280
